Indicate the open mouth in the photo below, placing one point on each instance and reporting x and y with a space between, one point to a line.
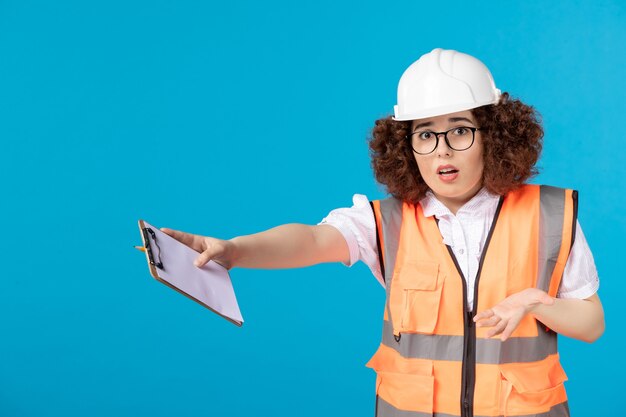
448 171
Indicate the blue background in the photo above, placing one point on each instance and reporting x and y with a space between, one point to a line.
229 118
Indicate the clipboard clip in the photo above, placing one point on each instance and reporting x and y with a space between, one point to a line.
146 233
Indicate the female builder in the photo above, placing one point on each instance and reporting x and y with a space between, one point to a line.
481 270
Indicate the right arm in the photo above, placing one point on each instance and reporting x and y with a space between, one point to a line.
287 246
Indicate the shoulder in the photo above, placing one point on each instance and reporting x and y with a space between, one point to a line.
546 194
358 217
387 208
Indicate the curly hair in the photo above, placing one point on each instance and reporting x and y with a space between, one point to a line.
512 143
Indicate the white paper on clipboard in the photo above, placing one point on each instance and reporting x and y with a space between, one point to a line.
209 285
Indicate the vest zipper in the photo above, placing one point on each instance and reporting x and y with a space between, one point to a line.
468 370
470 365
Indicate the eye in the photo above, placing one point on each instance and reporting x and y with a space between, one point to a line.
425 135
461 131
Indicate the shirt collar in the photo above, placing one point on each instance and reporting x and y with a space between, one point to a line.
481 203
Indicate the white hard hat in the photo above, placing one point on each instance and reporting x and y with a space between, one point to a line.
444 81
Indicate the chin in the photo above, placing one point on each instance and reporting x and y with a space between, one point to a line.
452 192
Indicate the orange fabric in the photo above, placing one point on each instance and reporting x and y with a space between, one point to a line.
406 383
409 383
510 264
534 387
420 275
426 297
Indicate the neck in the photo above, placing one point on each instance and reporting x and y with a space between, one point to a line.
455 203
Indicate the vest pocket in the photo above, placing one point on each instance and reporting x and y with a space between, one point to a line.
408 392
415 297
531 388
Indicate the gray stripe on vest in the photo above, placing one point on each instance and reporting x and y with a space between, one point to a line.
391 213
416 345
488 351
550 232
384 409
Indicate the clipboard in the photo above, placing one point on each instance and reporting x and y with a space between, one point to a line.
171 263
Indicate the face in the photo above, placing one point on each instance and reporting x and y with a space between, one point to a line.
459 185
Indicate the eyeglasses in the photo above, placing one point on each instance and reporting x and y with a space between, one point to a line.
458 138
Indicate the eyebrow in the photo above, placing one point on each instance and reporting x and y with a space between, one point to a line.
450 120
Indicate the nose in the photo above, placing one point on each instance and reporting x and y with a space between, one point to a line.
442 146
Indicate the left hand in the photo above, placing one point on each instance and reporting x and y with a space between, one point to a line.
505 316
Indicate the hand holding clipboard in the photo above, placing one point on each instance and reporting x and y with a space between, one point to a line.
220 251
173 260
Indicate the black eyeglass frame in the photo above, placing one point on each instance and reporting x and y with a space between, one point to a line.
445 137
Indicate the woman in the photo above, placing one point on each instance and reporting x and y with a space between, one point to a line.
465 249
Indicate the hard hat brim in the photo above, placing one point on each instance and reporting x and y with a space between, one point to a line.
439 111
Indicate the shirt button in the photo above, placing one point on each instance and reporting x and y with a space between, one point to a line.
461 251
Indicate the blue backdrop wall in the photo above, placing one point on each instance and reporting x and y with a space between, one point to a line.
227 118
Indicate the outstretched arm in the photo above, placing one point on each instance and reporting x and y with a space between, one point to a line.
287 246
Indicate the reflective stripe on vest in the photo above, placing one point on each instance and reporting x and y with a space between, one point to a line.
429 340
385 409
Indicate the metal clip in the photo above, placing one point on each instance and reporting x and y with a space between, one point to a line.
146 231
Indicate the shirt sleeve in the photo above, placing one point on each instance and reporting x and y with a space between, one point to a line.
358 227
580 277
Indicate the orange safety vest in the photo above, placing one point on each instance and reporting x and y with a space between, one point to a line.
432 360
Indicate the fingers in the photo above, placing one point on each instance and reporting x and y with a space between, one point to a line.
486 318
503 326
211 252
193 241
510 328
209 248
483 315
498 328
492 321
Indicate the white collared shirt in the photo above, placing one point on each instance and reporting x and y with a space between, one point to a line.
466 233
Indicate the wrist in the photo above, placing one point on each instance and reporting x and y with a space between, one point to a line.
235 251
537 299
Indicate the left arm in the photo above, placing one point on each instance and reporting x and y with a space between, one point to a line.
576 318
580 319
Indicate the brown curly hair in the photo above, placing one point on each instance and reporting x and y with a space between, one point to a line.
512 143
